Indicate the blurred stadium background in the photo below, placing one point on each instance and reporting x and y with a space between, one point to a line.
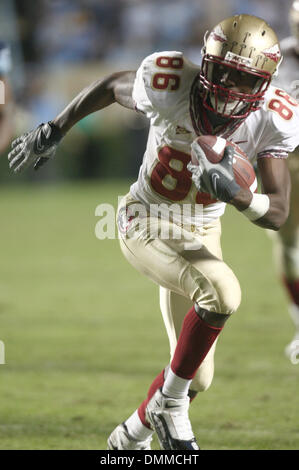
60 46
83 335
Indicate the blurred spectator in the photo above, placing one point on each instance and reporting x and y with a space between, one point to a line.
6 99
72 31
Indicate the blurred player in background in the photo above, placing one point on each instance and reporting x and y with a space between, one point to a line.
286 241
6 111
230 96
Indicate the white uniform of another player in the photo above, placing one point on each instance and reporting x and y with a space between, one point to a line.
186 275
286 241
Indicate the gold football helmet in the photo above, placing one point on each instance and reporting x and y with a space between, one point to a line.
240 56
294 19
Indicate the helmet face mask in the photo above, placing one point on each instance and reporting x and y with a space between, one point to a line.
240 56
231 90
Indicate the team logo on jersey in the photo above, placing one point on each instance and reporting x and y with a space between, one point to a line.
124 219
273 53
218 34
181 130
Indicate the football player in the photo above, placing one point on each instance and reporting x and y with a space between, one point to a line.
286 241
228 95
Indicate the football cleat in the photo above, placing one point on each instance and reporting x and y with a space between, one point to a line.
169 418
120 439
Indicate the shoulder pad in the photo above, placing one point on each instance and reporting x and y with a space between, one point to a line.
163 83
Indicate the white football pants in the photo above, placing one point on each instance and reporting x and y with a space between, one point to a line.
184 275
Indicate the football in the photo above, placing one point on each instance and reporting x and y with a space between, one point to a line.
214 147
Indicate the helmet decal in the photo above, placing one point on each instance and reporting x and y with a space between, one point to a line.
218 34
273 53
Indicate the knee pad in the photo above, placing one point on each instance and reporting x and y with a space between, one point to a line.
220 292
229 292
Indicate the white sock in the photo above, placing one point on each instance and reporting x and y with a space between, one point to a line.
174 386
136 428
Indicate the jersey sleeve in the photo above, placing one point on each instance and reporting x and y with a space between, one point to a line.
280 135
162 83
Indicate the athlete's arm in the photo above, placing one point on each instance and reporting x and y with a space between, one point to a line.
275 179
37 146
116 88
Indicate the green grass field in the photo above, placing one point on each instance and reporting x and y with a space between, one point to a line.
84 337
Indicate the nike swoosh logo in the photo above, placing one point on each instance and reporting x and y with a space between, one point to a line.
215 177
39 144
170 406
47 132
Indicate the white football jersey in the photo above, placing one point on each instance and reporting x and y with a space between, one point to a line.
162 92
288 74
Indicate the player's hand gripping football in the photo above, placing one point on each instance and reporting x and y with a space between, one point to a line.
34 148
217 179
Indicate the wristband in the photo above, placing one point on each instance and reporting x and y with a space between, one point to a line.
258 207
